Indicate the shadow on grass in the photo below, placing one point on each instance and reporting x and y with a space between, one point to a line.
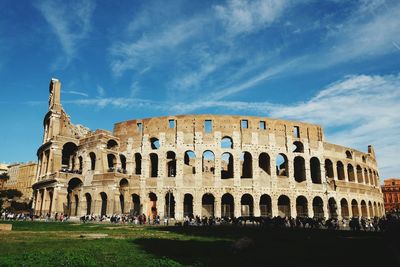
231 246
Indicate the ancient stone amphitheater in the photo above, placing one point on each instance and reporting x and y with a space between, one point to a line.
204 165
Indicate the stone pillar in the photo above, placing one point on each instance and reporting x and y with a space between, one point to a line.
256 206
238 207
217 207
310 208
274 206
179 206
293 210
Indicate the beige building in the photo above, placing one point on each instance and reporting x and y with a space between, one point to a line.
3 169
22 177
13 172
204 165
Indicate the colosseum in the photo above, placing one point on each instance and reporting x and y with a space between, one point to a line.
206 165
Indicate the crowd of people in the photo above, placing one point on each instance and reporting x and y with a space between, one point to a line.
355 223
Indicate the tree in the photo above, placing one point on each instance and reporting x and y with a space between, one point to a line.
4 176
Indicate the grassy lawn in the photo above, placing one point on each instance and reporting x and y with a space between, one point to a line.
69 244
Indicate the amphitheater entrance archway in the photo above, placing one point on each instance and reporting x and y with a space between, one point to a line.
169 208
265 205
152 205
318 207
207 205
136 205
188 205
74 186
284 206
103 211
302 206
371 211
364 212
247 205
227 206
354 208
332 208
88 203
345 208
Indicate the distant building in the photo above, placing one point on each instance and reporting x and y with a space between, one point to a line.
22 176
3 169
391 194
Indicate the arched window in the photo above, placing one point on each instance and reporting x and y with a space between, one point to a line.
328 168
92 161
345 208
80 163
299 169
302 206
169 205
315 168
136 204
282 165
226 142
122 159
366 176
246 163
207 204
112 162
318 207
298 147
247 204
340 170
138 163
88 203
350 173
227 206
264 163
171 164
188 206
349 155
359 174
208 162
284 206
112 144
103 204
332 208
354 208
265 205
226 166
154 143
153 165
68 156
189 162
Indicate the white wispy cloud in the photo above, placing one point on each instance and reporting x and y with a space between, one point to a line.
244 16
70 21
75 93
100 91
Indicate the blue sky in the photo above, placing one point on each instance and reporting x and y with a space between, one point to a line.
335 63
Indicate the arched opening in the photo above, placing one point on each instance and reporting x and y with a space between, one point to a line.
152 207
112 144
123 184
265 206
371 179
138 163
154 143
208 163
375 209
340 170
88 203
153 165
247 205
227 206
318 207
122 203
103 204
283 206
328 168
74 186
359 174
171 164
349 155
169 205
226 142
246 163
136 205
122 159
345 208
264 163
68 156
299 169
315 168
366 176
371 210
332 208
364 211
189 161
354 208
282 165
92 156
188 205
301 206
226 166
112 162
80 164
350 173
207 205
298 147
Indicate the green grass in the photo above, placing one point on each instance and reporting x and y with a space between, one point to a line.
62 244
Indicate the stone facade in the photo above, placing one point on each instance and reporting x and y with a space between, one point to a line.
3 169
22 177
201 165
391 194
